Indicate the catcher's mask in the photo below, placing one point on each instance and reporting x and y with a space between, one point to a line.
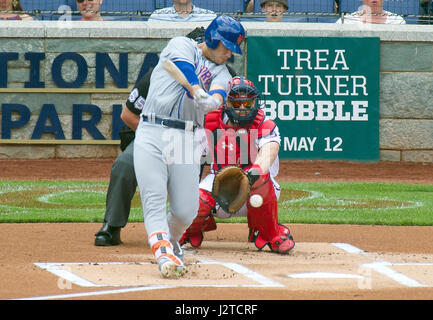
241 105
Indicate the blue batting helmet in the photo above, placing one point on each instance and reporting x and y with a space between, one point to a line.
227 30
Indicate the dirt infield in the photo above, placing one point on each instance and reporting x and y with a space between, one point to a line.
59 261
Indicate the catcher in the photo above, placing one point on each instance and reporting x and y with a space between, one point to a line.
242 147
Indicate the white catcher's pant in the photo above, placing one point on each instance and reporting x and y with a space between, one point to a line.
166 169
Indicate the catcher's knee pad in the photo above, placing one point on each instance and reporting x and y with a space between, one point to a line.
204 221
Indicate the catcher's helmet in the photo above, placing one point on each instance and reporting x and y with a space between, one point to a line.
242 92
227 30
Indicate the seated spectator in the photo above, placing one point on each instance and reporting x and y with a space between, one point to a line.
371 12
12 5
90 10
274 9
426 9
182 10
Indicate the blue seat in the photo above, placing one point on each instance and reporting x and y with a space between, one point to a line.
310 6
127 9
228 6
162 3
117 5
43 5
402 7
50 5
72 4
128 5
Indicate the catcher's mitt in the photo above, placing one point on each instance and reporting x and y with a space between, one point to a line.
231 188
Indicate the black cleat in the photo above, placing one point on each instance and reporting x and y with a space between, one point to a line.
108 236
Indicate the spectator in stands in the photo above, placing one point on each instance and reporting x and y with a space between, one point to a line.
90 10
12 5
426 9
182 10
372 12
274 9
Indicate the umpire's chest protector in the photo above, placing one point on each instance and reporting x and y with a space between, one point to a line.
234 145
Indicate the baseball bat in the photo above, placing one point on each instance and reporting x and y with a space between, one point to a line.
178 75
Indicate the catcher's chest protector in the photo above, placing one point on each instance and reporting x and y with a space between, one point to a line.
234 145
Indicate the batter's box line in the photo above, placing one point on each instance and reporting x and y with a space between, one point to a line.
60 270
384 267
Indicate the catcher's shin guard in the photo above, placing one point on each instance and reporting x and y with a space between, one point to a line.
264 218
282 243
204 221
255 237
263 222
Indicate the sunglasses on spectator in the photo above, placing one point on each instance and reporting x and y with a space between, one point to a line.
81 1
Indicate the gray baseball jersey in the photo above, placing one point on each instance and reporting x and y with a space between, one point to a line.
162 172
167 97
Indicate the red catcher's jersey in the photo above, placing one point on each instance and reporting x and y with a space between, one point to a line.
234 145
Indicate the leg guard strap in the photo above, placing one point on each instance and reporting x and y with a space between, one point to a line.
204 221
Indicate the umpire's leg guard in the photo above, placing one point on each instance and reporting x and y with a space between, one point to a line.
204 221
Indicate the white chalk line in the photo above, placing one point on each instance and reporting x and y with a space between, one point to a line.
61 270
325 275
384 267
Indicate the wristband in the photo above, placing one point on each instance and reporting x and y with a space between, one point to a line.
222 92
254 173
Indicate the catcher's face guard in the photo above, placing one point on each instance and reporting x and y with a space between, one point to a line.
241 101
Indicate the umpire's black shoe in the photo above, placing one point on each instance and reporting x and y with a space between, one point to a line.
108 236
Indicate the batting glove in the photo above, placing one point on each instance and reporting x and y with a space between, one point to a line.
205 101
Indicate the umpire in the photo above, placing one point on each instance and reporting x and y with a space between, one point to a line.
123 183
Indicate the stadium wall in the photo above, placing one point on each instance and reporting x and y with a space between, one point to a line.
98 59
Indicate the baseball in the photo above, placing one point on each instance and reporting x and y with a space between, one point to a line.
256 200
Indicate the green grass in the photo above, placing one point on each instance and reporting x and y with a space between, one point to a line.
334 203
359 203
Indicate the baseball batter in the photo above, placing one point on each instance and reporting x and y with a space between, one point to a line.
123 183
164 143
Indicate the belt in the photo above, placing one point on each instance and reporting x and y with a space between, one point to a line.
170 123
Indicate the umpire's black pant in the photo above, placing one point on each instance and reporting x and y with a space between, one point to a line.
121 188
